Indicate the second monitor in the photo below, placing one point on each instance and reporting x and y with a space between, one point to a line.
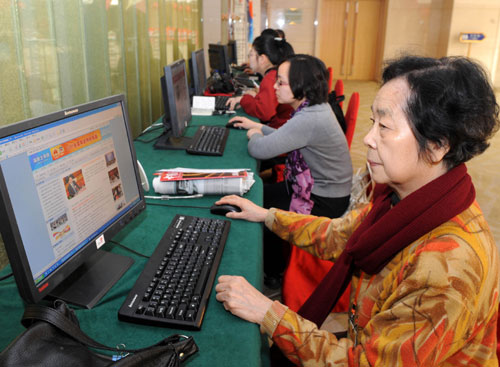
208 140
219 58
198 73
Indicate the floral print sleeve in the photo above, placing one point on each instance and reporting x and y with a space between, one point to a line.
322 237
434 304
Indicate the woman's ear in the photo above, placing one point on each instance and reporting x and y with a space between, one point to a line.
438 151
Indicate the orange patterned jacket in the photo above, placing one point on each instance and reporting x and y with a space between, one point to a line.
434 304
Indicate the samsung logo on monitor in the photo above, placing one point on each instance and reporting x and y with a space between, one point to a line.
70 112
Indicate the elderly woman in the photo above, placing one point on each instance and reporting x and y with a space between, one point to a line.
319 169
421 257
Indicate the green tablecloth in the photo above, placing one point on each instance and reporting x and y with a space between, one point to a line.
224 340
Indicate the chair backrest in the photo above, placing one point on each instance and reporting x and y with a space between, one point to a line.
330 78
351 117
339 90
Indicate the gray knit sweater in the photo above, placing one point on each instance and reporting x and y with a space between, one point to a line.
315 131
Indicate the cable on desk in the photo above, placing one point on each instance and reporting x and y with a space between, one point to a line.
6 276
128 249
149 129
178 206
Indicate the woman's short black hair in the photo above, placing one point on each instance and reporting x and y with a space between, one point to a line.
275 48
451 102
308 78
269 32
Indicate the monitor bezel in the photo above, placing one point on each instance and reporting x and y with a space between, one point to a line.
28 290
218 55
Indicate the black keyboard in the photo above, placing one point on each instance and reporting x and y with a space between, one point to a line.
220 103
175 285
208 140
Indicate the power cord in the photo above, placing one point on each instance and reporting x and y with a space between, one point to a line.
128 249
149 129
6 276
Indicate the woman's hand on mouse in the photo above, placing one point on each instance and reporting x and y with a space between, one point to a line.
249 210
245 123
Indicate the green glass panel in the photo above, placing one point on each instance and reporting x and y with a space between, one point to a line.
39 53
12 91
115 48
56 54
144 55
131 64
96 48
70 52
155 59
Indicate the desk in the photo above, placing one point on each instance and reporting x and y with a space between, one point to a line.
224 340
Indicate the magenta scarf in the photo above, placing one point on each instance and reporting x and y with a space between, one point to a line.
386 231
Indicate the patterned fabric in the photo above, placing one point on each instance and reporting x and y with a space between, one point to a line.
298 174
433 304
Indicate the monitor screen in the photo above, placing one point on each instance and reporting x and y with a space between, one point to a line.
198 74
177 106
68 182
219 58
231 50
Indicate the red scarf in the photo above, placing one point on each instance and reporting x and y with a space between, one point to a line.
386 231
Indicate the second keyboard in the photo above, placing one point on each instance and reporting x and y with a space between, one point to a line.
209 140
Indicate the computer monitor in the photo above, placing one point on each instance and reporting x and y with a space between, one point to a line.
177 106
219 58
69 181
232 54
197 71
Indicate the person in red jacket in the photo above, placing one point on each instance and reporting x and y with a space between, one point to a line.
266 53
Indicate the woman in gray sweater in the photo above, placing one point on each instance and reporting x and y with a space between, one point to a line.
319 164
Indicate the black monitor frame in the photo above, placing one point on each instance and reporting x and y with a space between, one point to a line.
232 52
85 276
177 106
219 58
197 72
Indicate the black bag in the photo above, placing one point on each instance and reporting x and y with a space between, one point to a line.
220 84
334 101
53 338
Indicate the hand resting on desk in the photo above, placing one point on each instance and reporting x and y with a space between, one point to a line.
249 210
241 299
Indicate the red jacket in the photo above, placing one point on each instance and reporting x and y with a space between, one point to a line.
264 105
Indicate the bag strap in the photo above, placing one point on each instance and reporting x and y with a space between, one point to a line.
57 318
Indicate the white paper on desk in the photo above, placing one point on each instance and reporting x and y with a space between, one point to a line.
222 186
203 106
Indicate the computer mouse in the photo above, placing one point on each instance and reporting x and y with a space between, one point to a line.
224 208
231 125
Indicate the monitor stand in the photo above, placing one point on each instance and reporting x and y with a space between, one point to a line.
93 279
165 141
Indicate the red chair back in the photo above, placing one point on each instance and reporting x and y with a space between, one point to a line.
339 90
330 78
351 116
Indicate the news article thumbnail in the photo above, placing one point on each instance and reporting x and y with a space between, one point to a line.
60 226
74 183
